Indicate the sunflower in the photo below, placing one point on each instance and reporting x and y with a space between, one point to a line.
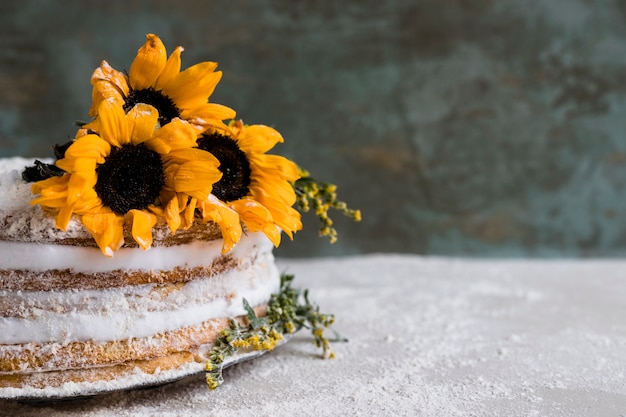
157 80
129 172
255 187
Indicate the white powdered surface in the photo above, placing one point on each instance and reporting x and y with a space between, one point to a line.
13 189
428 337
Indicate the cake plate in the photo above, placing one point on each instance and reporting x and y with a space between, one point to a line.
135 381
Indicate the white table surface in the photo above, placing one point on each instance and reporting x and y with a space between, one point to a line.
428 337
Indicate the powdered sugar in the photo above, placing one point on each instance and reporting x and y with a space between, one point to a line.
22 221
14 191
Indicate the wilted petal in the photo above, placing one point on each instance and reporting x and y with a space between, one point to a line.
171 69
148 64
142 224
107 228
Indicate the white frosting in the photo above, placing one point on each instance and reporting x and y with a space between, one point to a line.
43 257
119 314
14 191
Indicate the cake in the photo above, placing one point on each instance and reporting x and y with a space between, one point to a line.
70 314
142 252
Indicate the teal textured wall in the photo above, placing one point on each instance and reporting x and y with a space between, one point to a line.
478 128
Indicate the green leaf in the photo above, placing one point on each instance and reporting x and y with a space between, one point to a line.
255 322
285 314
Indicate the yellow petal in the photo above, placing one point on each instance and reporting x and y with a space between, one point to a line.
55 201
52 184
80 190
257 218
142 224
148 63
69 194
195 178
107 228
209 117
189 213
171 69
104 90
172 215
142 120
64 216
177 134
116 78
113 124
236 127
286 217
271 188
108 84
84 154
208 111
226 218
180 156
259 138
275 166
194 85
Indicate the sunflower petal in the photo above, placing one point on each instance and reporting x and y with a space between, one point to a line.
172 215
113 126
84 154
52 186
189 213
148 64
108 84
116 78
259 138
180 156
286 217
196 179
80 189
107 228
177 134
227 219
68 195
55 201
209 116
141 229
104 90
208 111
63 217
275 166
194 85
271 188
142 120
257 218
171 69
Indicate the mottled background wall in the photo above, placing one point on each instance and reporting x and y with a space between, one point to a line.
485 127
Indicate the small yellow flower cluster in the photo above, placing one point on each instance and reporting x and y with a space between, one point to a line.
289 327
321 196
285 315
265 340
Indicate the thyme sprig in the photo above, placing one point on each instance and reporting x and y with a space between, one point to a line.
286 314
321 196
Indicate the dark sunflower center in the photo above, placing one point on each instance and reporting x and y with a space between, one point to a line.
130 178
165 105
234 166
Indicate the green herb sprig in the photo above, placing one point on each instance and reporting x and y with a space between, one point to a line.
321 196
285 315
